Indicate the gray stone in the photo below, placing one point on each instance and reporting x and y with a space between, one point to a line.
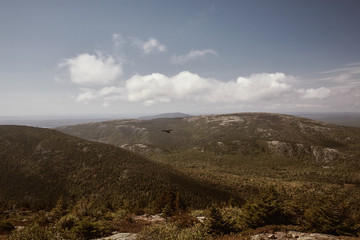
120 236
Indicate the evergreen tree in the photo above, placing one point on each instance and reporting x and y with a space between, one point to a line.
217 224
329 218
59 210
266 210
170 203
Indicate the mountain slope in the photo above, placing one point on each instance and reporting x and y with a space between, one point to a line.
232 132
38 166
242 152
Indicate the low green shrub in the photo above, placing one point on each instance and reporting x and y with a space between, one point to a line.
331 219
268 209
35 232
67 221
217 224
89 229
172 232
6 226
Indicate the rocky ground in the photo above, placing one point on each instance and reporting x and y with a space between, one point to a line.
120 236
296 235
263 236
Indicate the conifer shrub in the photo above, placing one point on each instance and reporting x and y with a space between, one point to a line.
159 232
67 221
170 203
43 219
86 228
268 209
196 232
59 209
183 220
172 232
6 226
330 218
36 232
119 214
217 224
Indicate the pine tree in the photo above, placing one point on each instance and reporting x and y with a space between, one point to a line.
266 210
170 203
217 224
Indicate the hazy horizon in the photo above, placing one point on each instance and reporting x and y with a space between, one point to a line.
52 121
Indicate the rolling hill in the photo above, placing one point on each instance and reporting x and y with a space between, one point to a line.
38 166
244 132
310 170
243 152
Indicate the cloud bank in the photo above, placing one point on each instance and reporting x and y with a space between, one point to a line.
159 88
100 78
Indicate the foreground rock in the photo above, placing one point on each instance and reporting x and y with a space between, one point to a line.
294 235
120 236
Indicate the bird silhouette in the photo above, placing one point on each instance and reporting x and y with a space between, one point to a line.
167 130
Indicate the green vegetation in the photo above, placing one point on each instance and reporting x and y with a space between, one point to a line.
6 226
40 166
240 171
85 221
266 210
173 232
217 224
338 218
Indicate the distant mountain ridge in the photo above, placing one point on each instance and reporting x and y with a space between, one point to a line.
344 119
278 133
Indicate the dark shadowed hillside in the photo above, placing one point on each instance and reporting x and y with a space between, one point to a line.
38 166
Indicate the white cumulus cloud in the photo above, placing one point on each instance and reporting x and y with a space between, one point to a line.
158 88
92 70
152 45
314 93
86 95
259 89
192 55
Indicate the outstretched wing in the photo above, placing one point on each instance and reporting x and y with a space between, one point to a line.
167 130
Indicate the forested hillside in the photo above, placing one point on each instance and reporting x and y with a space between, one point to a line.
240 146
40 166
238 171
311 164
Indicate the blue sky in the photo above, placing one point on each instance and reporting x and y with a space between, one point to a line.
128 57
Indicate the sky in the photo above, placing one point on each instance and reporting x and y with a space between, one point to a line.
211 56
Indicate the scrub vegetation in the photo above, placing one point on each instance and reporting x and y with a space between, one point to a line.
212 177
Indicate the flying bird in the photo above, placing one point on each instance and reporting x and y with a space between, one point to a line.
167 130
